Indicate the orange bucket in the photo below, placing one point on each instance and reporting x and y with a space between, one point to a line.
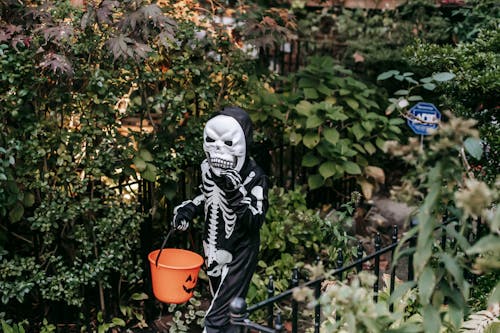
174 273
175 276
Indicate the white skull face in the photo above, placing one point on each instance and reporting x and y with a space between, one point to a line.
224 144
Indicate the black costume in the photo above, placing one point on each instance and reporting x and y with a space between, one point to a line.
234 202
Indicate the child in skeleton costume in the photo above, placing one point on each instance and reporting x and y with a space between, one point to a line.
234 201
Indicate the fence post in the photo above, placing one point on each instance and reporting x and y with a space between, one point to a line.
378 242
359 256
295 305
412 243
237 311
270 293
317 308
340 262
394 239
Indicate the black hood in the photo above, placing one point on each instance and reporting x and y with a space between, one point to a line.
243 119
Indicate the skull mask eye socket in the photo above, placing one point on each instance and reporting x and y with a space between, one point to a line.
224 144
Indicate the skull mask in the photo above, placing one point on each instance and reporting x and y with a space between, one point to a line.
224 144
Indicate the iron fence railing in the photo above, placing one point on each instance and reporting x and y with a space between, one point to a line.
241 312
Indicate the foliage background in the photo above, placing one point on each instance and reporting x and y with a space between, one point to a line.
77 218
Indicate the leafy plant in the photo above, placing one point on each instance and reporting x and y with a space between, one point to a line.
337 118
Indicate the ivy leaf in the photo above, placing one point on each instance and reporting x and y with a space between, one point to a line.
315 181
474 147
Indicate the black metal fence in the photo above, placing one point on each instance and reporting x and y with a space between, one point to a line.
241 312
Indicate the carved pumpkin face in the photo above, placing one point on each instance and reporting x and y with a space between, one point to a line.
224 144
189 284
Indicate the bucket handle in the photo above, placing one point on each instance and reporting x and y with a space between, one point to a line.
163 245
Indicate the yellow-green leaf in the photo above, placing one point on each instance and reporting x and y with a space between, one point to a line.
327 169
331 135
311 139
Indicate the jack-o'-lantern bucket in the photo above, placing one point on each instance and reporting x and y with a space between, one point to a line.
174 273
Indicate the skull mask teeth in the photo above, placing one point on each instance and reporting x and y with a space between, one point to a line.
221 163
224 144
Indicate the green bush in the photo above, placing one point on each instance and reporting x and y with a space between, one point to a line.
294 235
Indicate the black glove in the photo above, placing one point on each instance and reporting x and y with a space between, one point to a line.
183 214
228 181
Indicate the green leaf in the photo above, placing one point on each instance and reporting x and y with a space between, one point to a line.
431 319
343 92
401 92
327 169
452 267
495 295
315 181
313 121
426 285
370 148
400 291
304 108
295 138
353 104
16 213
351 168
145 155
118 321
139 296
311 139
429 86
489 243
149 173
309 160
29 199
474 147
386 75
414 98
324 90
331 135
443 76
310 93
306 82
139 163
357 131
